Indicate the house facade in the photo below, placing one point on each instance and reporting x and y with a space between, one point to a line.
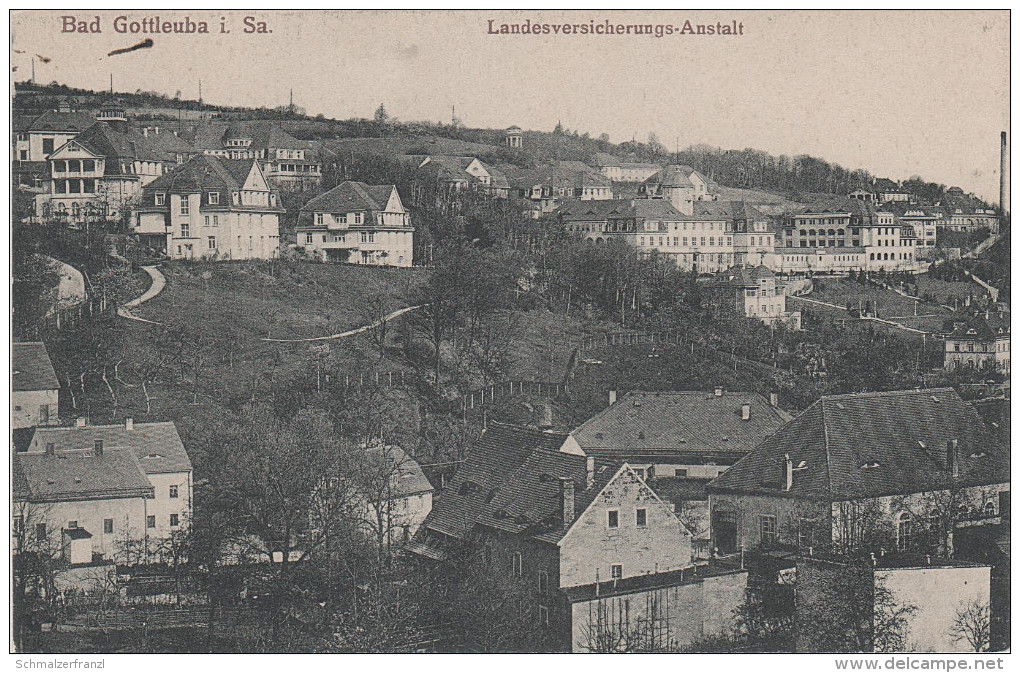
549 521
624 171
100 492
682 186
35 390
286 162
459 174
37 138
211 208
899 471
98 175
358 224
973 342
753 293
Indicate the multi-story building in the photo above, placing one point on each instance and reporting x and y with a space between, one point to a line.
703 243
459 174
754 237
358 224
98 175
35 390
975 342
966 212
36 139
287 162
211 208
889 191
624 171
866 471
107 492
682 186
548 186
923 220
551 521
753 292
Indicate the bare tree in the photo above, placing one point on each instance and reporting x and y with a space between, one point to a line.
972 625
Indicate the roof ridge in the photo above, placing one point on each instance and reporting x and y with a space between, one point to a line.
825 446
887 393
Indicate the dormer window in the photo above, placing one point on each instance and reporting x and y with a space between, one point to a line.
160 199
318 219
358 218
214 198
871 465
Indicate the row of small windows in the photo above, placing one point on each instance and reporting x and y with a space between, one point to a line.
342 218
677 241
212 198
42 533
74 166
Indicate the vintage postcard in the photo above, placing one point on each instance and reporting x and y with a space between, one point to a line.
511 331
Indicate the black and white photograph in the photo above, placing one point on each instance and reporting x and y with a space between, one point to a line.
480 331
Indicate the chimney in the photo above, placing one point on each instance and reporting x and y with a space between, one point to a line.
718 391
547 416
129 424
145 132
953 458
789 474
612 397
567 500
774 399
79 422
98 448
1002 174
589 479
745 411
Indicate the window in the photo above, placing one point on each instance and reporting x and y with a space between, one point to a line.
107 526
72 524
989 508
173 491
517 565
904 532
769 530
160 199
212 242
358 218
40 532
185 206
318 219
616 571
543 615
174 520
680 472
614 518
308 239
98 446
215 220
185 230
19 524
805 537
44 414
47 145
543 582
150 521
642 518
214 198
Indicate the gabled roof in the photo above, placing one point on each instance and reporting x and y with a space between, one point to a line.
742 276
605 159
497 454
80 475
729 210
648 209
350 197
204 172
679 423
866 445
31 368
405 474
574 174
156 447
975 327
674 176
116 145
52 121
264 135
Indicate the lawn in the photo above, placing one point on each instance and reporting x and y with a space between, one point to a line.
946 292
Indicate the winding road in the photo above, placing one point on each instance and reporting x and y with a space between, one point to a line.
350 332
157 285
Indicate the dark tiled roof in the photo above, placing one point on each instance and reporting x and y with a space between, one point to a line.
648 209
664 423
739 276
204 172
680 489
157 446
728 210
674 176
116 145
405 474
497 454
31 368
975 327
80 475
901 436
61 121
264 135
350 197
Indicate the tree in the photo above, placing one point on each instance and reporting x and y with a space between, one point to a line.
972 625
381 116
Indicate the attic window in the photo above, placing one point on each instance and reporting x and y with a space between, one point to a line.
637 403
839 405
598 435
152 456
978 454
641 435
935 399
871 465
922 444
802 465
468 487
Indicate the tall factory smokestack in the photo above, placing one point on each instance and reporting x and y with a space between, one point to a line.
1002 175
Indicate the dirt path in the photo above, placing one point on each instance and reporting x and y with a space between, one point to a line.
157 285
350 332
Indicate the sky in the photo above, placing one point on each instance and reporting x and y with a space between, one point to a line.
898 93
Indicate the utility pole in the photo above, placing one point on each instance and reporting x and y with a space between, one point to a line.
199 92
111 82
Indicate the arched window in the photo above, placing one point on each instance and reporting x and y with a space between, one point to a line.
989 508
832 232
840 232
904 532
872 257
803 232
812 233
